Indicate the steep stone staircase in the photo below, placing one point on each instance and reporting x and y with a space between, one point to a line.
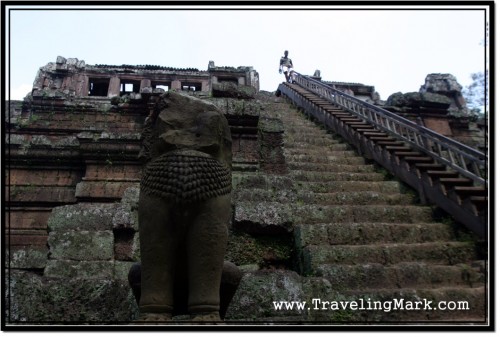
367 236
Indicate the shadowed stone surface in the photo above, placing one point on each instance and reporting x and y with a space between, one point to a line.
36 299
257 291
27 257
184 208
82 217
81 245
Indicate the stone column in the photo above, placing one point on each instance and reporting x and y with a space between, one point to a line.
176 85
254 80
205 86
145 82
82 86
114 86
67 83
213 79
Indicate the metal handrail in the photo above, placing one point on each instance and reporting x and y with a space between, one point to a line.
467 161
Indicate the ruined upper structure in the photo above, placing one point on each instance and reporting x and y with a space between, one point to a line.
446 85
72 77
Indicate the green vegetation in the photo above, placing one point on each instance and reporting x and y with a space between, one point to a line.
246 249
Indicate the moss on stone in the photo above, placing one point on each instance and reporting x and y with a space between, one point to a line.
82 217
81 245
244 249
27 257
36 299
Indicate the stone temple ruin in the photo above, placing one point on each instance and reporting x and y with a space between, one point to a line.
73 78
310 218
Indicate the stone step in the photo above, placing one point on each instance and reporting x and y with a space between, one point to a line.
356 198
330 144
278 217
400 275
306 166
315 149
385 186
265 195
303 149
361 213
293 128
368 168
403 306
310 134
250 181
389 254
297 121
371 233
305 127
336 176
320 157
305 197
431 252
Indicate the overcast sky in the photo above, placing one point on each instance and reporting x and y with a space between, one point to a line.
392 50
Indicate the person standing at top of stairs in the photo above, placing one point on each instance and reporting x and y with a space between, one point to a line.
286 62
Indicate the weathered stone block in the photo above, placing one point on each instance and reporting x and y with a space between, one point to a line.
272 158
81 245
263 218
136 247
317 288
121 270
60 60
397 99
84 217
37 299
257 292
264 195
229 89
245 249
131 197
124 217
32 193
267 182
83 269
419 99
126 245
39 238
271 125
31 219
442 83
102 189
245 110
433 100
34 257
440 125
310 234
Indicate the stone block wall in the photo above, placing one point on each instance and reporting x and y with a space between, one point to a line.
62 151
90 249
73 184
272 158
93 240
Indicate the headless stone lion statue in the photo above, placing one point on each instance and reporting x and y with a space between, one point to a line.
184 208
